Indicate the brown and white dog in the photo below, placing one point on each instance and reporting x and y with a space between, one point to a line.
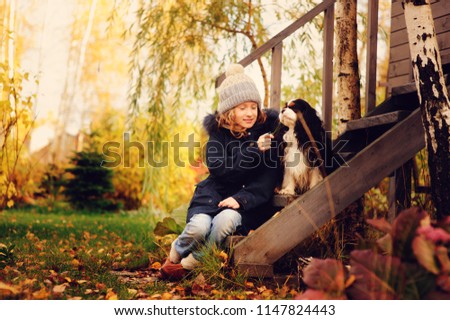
306 148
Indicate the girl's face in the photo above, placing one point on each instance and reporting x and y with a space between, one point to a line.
246 114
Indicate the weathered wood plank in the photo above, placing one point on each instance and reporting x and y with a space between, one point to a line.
402 52
275 82
399 68
367 122
281 201
231 241
313 209
400 80
397 8
279 37
371 59
442 26
327 76
438 8
255 270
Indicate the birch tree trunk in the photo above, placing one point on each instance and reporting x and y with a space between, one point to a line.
348 81
433 98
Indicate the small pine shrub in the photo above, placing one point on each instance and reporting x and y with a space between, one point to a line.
90 183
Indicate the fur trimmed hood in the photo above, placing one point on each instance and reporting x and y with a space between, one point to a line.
210 124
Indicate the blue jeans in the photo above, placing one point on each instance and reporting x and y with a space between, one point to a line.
204 228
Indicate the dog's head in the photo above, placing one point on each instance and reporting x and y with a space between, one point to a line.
295 108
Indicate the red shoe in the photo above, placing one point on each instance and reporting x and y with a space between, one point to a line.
172 271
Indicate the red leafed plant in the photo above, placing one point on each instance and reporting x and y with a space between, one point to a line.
411 261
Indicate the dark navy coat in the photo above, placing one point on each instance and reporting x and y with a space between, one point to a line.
238 169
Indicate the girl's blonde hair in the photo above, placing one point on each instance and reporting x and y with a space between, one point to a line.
226 120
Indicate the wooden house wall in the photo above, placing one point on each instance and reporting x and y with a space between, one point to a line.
400 71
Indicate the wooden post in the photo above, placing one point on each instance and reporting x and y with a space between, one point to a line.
327 81
275 82
371 57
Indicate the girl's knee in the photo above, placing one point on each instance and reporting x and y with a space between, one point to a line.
224 224
199 226
227 216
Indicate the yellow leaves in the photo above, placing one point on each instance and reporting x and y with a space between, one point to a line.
155 266
223 256
166 296
111 295
6 289
10 203
30 236
76 263
41 294
132 292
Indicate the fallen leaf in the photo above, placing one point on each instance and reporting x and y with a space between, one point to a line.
41 294
59 289
249 284
6 287
282 293
132 292
76 263
100 286
111 295
166 296
223 256
156 266
267 293
200 279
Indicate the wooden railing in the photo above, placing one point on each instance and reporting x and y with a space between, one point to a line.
276 45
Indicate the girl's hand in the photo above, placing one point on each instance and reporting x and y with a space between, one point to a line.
264 141
229 202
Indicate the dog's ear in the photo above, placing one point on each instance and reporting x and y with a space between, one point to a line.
291 103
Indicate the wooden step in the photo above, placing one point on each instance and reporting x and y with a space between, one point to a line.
377 120
281 201
231 241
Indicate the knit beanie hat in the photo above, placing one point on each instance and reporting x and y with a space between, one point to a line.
236 89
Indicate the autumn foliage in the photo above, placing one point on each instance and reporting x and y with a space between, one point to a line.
411 261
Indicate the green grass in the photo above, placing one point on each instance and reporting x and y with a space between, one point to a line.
73 249
73 255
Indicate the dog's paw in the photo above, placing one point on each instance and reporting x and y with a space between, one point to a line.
288 192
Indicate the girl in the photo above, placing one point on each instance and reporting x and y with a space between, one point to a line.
244 171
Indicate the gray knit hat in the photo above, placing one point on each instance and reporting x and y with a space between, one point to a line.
236 89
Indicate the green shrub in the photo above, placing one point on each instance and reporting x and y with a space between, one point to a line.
90 183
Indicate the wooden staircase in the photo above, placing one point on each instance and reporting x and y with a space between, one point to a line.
256 253
374 147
